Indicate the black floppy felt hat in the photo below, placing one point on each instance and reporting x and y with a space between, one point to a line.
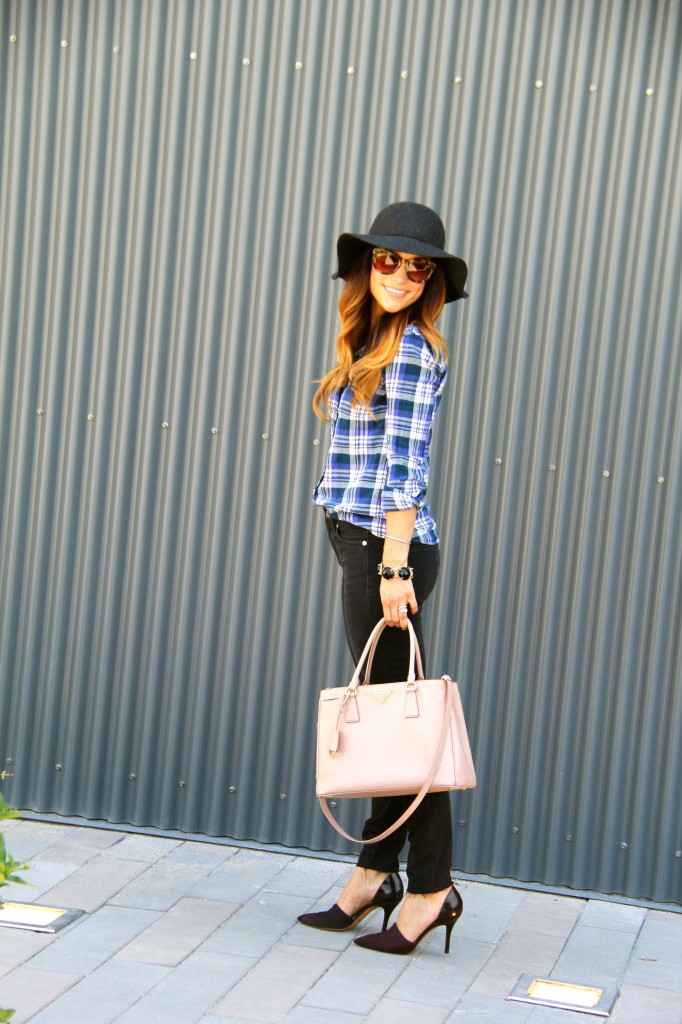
407 227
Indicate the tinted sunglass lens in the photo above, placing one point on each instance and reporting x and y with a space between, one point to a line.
418 270
385 262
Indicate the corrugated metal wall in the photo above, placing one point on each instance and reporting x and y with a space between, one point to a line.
173 179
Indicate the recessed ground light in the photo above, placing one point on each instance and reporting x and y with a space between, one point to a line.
33 918
564 995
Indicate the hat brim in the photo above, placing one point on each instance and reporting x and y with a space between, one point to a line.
349 247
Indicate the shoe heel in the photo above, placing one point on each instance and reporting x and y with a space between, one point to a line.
448 931
388 910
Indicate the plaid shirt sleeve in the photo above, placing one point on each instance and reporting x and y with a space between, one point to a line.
414 384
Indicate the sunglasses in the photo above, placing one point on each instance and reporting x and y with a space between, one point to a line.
417 268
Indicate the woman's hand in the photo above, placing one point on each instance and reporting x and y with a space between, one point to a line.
397 596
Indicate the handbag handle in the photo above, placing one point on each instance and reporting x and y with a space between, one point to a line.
370 646
415 653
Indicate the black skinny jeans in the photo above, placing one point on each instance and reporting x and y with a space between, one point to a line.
429 828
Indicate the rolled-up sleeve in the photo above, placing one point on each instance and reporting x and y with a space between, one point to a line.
414 383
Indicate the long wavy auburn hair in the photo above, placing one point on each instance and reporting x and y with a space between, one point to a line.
364 347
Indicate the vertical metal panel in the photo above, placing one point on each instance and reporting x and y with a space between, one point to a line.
173 176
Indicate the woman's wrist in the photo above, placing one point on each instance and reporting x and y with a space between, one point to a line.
404 572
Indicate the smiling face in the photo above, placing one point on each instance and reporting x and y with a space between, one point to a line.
394 292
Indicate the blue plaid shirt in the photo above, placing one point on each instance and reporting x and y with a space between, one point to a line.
379 463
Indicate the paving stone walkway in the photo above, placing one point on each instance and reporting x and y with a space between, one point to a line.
185 932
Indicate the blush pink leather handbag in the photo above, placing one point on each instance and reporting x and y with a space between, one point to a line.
391 739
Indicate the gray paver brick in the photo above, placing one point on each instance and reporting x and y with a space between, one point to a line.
275 985
594 956
544 914
16 947
483 919
70 852
481 1009
171 938
210 854
92 940
313 879
28 991
396 1011
241 877
314 1015
639 1005
432 978
188 992
163 883
41 877
356 981
616 916
516 954
104 995
657 954
256 926
27 838
141 848
93 884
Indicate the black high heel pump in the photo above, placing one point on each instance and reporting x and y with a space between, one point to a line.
393 940
386 898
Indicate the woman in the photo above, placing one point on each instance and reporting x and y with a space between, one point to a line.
382 397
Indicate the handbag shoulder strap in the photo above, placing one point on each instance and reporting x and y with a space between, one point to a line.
447 682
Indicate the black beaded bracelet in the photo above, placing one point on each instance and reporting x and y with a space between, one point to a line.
406 573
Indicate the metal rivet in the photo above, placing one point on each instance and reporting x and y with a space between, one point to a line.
678 854
364 543
316 443
298 66
246 62
498 461
194 55
116 50
332 803
12 39
594 87
64 43
282 796
266 437
458 80
181 785
623 846
660 480
132 776
552 467
165 425
40 412
91 418
232 789
214 431
650 91
58 767
569 839
606 474
515 830
462 824
404 73
9 761
538 83
350 70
